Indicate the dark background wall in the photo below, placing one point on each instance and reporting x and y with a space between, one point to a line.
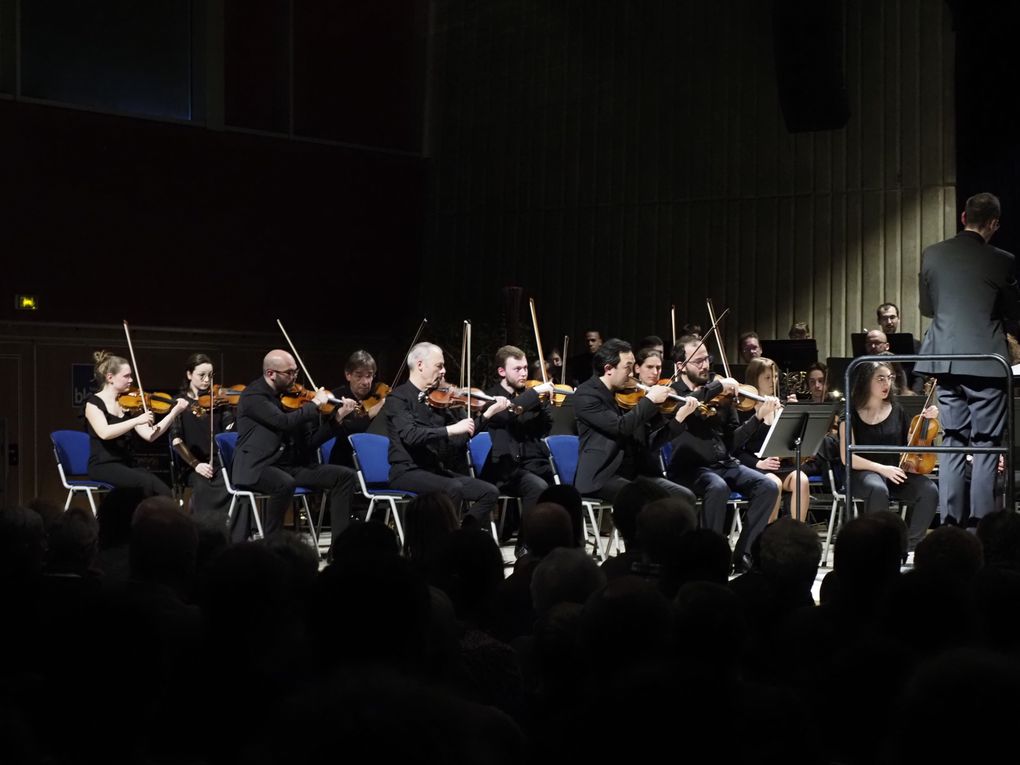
615 158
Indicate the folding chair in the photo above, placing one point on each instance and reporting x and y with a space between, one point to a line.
226 443
563 458
71 449
478 453
372 460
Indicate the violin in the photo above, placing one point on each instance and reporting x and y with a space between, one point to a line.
446 396
744 400
923 431
559 394
378 393
220 396
629 397
297 396
134 402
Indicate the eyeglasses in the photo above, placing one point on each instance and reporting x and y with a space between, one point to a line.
883 378
288 372
702 362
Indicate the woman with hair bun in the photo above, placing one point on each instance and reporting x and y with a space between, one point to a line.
111 458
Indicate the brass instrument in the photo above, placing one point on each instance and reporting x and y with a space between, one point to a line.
793 382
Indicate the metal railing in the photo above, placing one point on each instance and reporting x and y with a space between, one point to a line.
1007 439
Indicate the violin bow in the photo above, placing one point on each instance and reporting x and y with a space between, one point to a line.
672 321
403 361
718 339
297 356
134 367
538 341
563 361
676 371
212 428
465 368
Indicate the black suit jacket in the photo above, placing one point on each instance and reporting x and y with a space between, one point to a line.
610 443
968 288
418 437
517 438
267 434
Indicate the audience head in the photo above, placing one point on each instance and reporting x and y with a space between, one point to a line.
547 527
565 575
949 554
569 499
628 620
629 503
73 540
428 518
22 545
469 568
661 525
790 552
164 544
999 533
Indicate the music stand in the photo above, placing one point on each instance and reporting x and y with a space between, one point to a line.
796 426
791 355
900 343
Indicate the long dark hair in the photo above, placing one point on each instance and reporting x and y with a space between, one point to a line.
862 383
189 366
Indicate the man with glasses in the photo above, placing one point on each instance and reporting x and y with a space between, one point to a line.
276 448
703 450
968 287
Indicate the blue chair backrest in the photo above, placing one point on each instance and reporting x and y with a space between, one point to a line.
479 447
72 448
227 444
564 454
373 453
667 454
326 450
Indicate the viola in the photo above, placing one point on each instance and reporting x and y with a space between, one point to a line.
378 393
629 397
220 396
297 396
923 431
446 396
559 394
134 403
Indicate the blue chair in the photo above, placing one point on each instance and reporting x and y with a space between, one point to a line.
372 460
71 449
478 454
563 458
226 444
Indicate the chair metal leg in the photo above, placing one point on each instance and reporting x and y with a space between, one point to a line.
308 520
371 507
258 518
596 528
92 503
67 504
396 521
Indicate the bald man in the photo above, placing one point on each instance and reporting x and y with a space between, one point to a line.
276 448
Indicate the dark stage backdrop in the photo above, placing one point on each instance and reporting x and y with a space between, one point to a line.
614 158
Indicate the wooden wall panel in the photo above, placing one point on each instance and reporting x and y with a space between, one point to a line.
614 158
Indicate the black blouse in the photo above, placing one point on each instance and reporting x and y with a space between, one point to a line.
892 431
115 449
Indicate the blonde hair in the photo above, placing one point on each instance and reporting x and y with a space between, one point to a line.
107 364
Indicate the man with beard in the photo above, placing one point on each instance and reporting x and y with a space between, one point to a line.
703 450
519 461
276 448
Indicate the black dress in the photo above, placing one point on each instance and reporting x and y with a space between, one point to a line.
112 461
208 497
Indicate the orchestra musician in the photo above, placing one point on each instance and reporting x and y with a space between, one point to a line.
816 382
276 448
519 461
428 444
360 384
878 418
192 440
703 451
111 457
614 448
762 373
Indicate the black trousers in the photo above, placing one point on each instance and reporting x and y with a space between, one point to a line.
280 482
124 477
208 497
919 491
460 488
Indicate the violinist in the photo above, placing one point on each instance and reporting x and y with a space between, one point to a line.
614 447
360 372
762 374
878 418
111 458
428 444
519 461
703 450
192 440
276 448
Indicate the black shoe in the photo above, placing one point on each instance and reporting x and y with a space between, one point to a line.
743 564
